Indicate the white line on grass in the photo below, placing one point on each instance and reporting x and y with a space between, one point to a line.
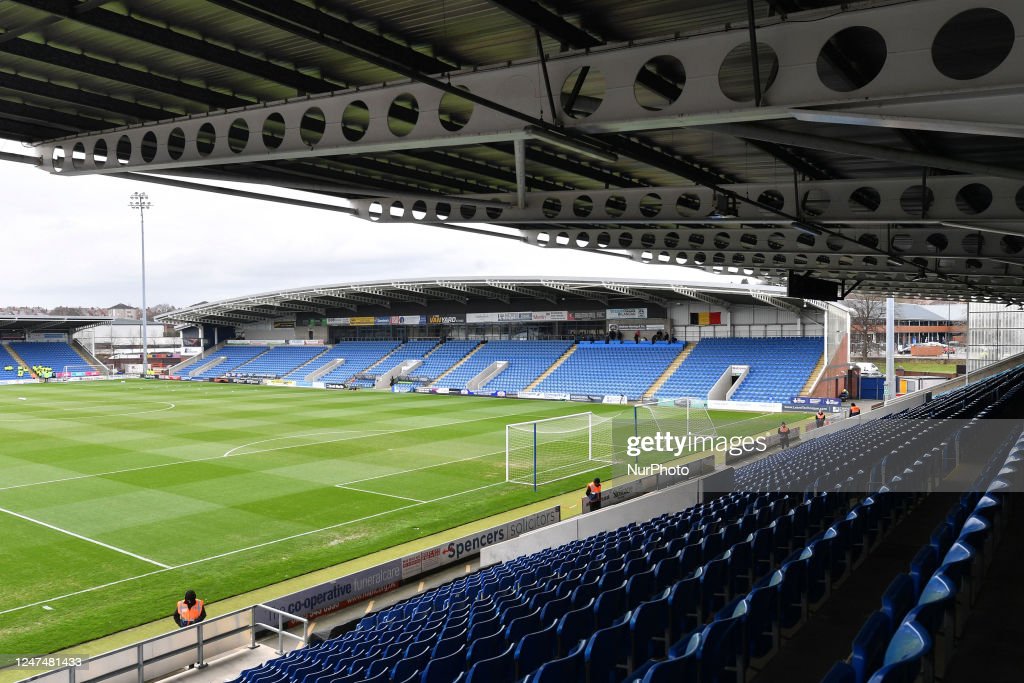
43 415
84 538
362 435
242 550
377 493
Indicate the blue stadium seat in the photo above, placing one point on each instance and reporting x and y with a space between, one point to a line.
904 656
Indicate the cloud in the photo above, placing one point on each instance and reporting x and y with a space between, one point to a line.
74 241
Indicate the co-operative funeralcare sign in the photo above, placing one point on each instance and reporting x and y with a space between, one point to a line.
347 590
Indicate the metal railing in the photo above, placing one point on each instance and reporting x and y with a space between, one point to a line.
192 646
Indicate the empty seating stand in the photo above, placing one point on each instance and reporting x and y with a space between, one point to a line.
56 355
278 361
779 367
527 360
358 355
233 356
617 368
703 594
443 357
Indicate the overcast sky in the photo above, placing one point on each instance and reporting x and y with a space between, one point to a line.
75 242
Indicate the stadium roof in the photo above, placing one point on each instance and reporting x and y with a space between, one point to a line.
419 295
50 323
876 144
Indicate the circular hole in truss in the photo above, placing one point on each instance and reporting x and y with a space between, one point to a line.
916 200
582 240
454 111
551 207
58 158
773 199
869 47
443 211
99 153
757 259
562 238
650 205
815 201
823 260
748 239
739 259
604 240
1019 199
806 239
625 239
671 240
467 210
688 204
493 212
901 242
124 150
582 206
615 205
403 114
1011 244
238 135
973 43
700 258
148 148
868 240
419 210
664 257
864 200
376 210
735 77
800 260
721 240
776 241
973 265
718 258
78 155
396 210
582 92
659 83
779 259
834 243
972 244
681 258
973 198
176 143
355 120
312 126
846 260
696 239
646 256
206 139
937 242
543 239
648 239
273 131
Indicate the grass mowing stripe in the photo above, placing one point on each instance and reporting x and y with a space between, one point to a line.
83 538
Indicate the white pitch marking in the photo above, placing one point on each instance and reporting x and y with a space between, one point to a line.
84 538
378 493
240 550
38 416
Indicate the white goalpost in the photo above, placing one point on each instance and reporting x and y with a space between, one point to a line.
542 451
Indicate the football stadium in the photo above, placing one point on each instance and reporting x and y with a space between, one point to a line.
749 464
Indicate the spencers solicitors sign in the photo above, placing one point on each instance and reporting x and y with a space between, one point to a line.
347 590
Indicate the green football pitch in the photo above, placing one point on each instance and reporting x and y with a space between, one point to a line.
116 496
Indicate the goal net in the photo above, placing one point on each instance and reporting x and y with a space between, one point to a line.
77 373
683 420
542 451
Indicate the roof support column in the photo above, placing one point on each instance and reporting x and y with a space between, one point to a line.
519 148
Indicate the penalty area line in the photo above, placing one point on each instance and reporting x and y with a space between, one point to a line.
84 538
378 493
242 550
